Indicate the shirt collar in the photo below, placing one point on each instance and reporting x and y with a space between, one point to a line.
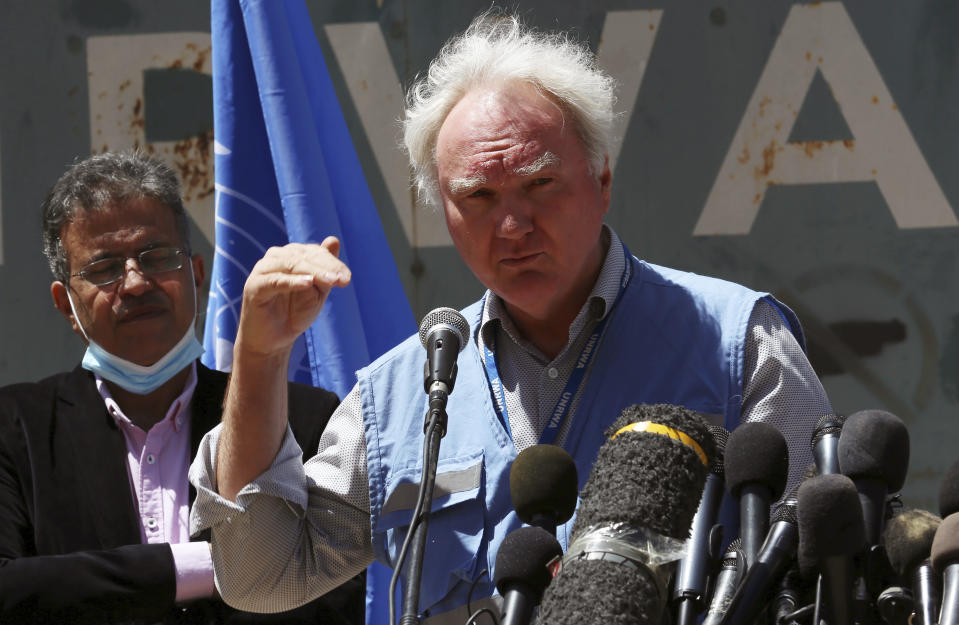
600 300
177 408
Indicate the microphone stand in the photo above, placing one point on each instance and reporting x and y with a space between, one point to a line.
435 429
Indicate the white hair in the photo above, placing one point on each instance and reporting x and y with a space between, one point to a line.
499 49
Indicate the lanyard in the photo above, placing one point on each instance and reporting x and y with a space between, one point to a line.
576 378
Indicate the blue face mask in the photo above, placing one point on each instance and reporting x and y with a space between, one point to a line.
138 378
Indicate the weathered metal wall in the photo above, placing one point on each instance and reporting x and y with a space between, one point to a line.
804 149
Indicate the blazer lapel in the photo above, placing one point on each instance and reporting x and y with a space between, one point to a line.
207 409
102 476
207 405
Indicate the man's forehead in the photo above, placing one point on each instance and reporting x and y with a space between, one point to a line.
119 224
500 131
128 211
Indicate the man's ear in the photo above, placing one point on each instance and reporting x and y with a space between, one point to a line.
199 275
58 291
199 270
605 182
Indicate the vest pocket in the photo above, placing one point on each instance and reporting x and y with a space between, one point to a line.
455 526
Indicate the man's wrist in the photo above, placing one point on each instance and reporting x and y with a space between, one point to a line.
246 352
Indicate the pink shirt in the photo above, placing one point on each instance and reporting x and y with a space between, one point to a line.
158 461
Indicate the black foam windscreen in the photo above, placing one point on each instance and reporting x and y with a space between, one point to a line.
598 592
543 481
945 545
647 479
523 558
830 519
756 453
949 491
643 479
908 539
874 444
805 561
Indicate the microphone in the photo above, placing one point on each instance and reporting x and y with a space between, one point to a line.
894 605
522 572
757 465
831 532
908 540
949 491
945 561
785 606
543 484
689 590
825 443
443 333
731 572
777 552
874 453
633 519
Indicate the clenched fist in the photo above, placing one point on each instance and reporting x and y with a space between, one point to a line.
285 292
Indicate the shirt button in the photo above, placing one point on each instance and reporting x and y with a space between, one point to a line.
151 524
151 459
552 373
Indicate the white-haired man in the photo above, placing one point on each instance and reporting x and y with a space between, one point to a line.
509 133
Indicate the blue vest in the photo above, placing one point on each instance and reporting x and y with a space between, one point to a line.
674 338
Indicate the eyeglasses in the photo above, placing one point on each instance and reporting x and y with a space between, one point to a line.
109 270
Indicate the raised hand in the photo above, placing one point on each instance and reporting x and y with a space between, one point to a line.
285 292
283 295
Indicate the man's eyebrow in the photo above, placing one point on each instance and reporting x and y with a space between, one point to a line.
548 159
459 186
103 254
100 256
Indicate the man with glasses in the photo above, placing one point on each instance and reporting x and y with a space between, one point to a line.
94 497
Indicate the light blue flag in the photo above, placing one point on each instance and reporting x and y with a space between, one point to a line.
287 171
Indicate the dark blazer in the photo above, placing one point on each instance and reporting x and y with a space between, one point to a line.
70 548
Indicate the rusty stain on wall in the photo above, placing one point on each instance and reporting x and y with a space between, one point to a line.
769 159
811 147
762 105
118 121
190 157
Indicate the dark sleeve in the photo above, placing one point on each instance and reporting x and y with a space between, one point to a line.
130 583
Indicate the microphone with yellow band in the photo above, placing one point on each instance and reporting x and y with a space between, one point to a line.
633 519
